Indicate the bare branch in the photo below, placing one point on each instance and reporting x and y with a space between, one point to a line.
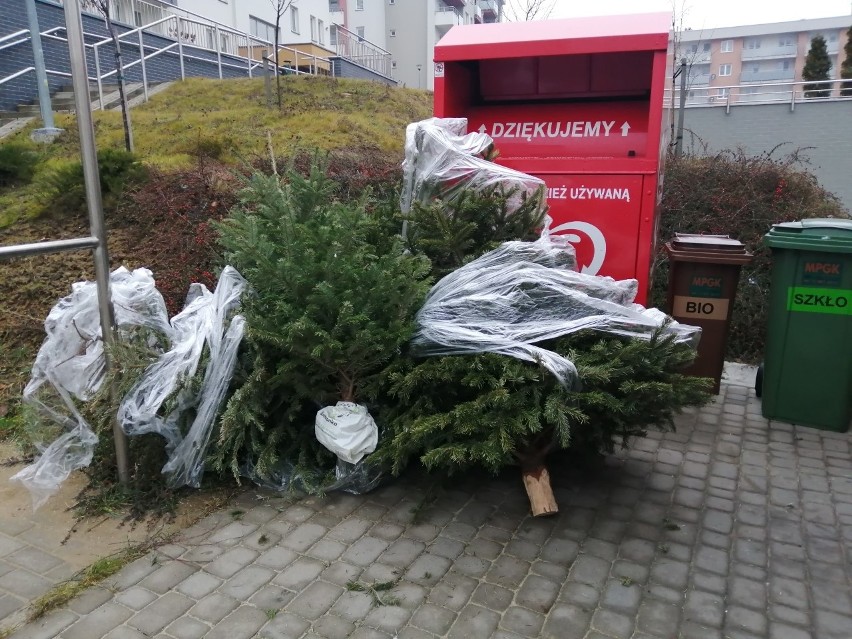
527 10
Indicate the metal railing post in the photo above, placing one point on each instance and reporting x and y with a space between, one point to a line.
180 48
142 62
88 151
218 44
45 104
249 53
97 55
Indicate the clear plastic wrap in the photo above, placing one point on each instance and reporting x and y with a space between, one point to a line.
523 293
442 161
355 479
70 364
206 319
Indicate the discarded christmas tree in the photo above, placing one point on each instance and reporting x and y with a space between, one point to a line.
333 296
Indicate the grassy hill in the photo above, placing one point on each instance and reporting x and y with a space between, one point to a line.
195 138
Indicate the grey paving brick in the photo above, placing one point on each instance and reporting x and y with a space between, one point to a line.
187 628
493 597
474 621
299 574
434 619
271 597
364 551
227 564
508 571
98 622
453 591
353 606
402 552
388 618
243 623
304 536
213 608
658 618
750 620
134 598
621 596
276 558
428 569
333 627
523 622
408 595
246 582
160 613
48 627
232 533
198 585
590 570
24 583
567 621
613 624
704 608
91 599
315 600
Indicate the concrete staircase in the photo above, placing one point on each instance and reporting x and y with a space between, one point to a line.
63 101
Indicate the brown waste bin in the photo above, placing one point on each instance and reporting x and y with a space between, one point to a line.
704 271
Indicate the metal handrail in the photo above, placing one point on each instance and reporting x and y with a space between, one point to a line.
135 38
789 92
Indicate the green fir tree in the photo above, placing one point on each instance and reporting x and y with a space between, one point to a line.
817 67
846 66
333 296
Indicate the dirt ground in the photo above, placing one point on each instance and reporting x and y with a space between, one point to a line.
80 543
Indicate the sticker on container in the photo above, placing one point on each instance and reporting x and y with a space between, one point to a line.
700 308
439 69
822 273
829 301
706 286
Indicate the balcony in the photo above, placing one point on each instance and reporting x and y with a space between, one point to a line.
698 79
458 4
767 76
447 17
767 53
477 14
490 9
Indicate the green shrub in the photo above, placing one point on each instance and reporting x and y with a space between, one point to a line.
742 196
65 189
17 164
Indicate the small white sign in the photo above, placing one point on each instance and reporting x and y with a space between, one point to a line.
439 69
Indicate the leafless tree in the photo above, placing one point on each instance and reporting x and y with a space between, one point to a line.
680 53
103 7
526 10
280 8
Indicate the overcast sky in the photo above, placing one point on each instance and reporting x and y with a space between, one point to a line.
708 14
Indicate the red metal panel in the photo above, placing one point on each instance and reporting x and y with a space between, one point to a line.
643 32
578 103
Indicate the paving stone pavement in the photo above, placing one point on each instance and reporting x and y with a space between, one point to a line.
730 527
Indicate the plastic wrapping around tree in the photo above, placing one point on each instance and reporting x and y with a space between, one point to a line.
69 370
444 162
523 293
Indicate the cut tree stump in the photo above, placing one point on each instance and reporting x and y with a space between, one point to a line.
537 483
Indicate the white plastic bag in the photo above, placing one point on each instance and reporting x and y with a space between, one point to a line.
347 430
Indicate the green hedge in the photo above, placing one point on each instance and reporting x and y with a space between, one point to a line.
742 196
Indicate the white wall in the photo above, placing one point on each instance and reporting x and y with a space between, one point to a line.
372 18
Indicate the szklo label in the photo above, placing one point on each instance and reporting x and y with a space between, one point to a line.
831 301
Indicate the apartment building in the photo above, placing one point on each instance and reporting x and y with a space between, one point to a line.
741 61
409 29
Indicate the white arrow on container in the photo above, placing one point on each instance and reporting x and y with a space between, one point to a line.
594 234
624 129
482 129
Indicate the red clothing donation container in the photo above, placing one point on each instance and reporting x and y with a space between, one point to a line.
578 103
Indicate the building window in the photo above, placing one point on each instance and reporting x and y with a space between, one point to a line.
786 41
334 5
724 69
727 46
785 65
262 29
706 47
723 92
693 48
332 35
360 32
359 5
393 33
314 29
753 44
393 62
294 19
391 1
320 31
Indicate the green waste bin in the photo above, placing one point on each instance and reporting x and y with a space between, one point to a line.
807 372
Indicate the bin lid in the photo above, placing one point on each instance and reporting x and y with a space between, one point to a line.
717 249
833 235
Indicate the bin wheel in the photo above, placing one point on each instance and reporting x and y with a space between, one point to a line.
758 381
